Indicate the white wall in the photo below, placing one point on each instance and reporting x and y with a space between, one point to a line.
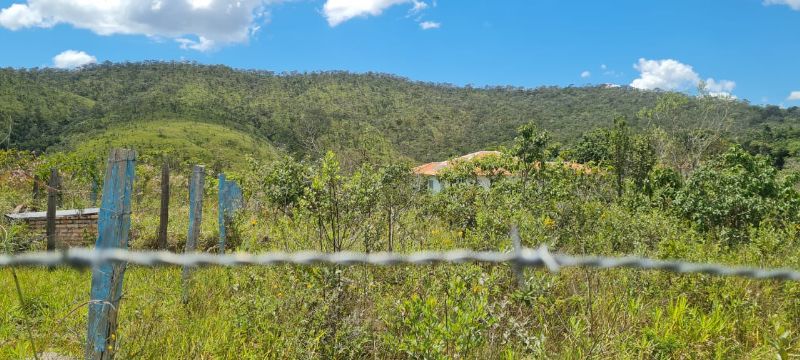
434 185
484 182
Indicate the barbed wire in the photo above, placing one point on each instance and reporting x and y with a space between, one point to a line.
541 257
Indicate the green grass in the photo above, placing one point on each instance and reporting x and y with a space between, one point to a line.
186 142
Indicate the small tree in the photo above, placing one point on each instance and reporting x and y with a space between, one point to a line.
285 182
396 194
531 149
620 144
340 204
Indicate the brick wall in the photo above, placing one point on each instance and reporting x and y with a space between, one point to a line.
71 231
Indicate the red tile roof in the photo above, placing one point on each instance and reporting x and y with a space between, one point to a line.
433 168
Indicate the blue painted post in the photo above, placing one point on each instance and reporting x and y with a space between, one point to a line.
113 230
230 200
195 219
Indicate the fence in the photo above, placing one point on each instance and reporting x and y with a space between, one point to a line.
541 257
110 256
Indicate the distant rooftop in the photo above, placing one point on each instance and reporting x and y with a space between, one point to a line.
433 168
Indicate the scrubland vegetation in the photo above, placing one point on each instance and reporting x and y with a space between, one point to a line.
665 176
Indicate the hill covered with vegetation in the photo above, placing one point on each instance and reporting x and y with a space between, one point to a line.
307 113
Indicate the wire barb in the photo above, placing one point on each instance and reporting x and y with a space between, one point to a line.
541 257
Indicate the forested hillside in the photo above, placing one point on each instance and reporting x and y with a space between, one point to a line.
308 113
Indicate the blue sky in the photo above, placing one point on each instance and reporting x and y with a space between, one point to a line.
749 49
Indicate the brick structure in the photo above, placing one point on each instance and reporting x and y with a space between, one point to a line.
74 228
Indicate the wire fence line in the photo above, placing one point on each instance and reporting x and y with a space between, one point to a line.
541 257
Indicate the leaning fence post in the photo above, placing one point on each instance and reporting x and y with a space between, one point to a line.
52 200
164 219
195 219
229 200
113 230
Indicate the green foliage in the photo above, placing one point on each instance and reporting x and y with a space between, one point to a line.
285 182
684 331
338 203
737 190
593 147
531 145
433 328
182 143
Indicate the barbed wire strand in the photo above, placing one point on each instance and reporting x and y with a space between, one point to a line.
541 257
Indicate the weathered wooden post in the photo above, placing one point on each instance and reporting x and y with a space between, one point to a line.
195 219
113 230
229 200
164 220
36 190
52 200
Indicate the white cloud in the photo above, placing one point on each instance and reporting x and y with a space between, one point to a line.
71 59
603 67
426 25
585 74
669 74
339 11
794 4
793 96
211 22
718 86
19 16
664 74
722 88
418 6
201 44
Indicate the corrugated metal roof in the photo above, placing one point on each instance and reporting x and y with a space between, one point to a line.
60 213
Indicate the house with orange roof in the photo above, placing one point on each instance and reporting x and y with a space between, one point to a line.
431 171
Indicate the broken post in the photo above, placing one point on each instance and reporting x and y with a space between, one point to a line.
113 230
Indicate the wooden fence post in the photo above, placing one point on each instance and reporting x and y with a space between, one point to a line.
113 230
36 190
164 220
52 200
195 219
229 200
